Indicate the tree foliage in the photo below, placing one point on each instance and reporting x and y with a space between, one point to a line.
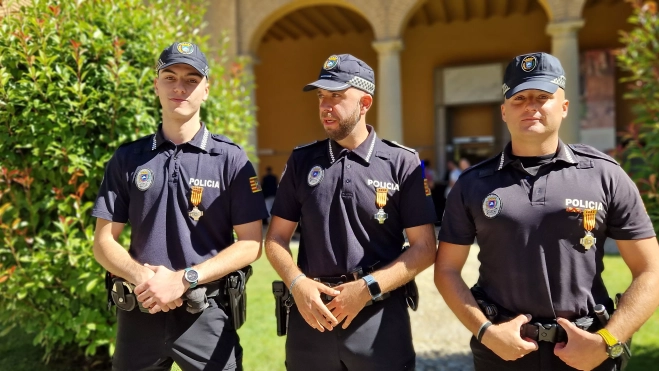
640 60
76 81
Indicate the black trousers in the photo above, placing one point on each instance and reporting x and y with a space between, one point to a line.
543 359
202 341
379 338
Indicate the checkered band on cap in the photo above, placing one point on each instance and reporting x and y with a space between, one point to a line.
363 84
505 88
560 81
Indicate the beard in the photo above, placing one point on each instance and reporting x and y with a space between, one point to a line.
345 126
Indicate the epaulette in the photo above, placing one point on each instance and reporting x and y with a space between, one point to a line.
141 145
485 167
309 144
223 139
393 143
149 137
586 150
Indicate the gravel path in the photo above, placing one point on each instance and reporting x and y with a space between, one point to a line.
440 340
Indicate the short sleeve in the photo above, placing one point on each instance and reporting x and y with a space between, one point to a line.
457 223
416 205
113 197
247 202
286 205
627 218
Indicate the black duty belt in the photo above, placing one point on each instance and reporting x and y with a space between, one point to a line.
552 332
214 288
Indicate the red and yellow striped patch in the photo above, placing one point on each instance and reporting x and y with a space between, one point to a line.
425 186
254 184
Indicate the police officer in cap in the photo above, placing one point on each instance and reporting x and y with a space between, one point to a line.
184 191
354 195
541 211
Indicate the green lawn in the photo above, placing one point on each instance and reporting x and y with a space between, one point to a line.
645 345
265 351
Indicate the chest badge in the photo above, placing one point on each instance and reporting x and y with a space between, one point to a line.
492 206
588 240
381 201
195 198
315 176
144 179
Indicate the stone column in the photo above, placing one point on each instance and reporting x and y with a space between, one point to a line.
565 46
388 90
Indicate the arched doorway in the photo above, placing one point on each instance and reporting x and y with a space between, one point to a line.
290 55
452 68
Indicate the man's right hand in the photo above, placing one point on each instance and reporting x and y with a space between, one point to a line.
145 275
306 293
504 339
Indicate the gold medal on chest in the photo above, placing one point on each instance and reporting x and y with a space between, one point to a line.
195 199
589 239
381 201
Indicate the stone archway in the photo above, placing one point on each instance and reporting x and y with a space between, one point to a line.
290 53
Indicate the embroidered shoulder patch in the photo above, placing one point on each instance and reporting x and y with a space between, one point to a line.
254 184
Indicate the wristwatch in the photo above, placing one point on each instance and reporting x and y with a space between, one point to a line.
192 276
373 287
614 347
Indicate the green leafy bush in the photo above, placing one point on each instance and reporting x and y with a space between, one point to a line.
640 60
76 81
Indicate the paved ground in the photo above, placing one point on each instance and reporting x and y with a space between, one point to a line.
440 340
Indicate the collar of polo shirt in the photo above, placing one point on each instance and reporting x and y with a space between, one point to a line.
564 154
200 139
364 150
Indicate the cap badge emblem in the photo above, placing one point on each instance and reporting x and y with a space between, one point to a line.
315 176
144 179
331 62
492 206
529 63
185 48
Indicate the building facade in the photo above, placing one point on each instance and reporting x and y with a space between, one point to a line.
438 63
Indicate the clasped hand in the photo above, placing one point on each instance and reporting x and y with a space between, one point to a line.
349 299
162 291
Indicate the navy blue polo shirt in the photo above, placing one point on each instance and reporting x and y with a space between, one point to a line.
148 183
529 228
331 191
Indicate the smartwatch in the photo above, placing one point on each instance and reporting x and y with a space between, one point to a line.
373 287
614 347
192 276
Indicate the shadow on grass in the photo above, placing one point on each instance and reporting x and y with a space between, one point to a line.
18 354
436 361
644 358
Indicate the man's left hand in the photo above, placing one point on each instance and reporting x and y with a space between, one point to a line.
164 288
351 300
583 350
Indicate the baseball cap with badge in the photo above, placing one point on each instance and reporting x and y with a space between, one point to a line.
539 71
342 71
183 52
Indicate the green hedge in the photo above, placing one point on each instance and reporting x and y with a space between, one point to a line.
640 60
76 81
